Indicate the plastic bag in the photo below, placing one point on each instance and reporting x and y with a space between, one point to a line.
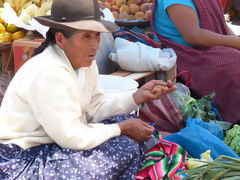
138 57
196 139
181 96
105 65
164 113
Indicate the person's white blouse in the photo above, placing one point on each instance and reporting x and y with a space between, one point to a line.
47 102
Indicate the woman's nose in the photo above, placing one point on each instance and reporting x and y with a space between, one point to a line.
95 44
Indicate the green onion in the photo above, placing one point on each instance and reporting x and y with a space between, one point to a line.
223 167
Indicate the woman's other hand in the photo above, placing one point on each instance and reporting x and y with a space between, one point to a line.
136 129
152 90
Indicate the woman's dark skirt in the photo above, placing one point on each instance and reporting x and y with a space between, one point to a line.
118 158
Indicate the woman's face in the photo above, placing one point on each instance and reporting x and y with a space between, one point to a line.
81 48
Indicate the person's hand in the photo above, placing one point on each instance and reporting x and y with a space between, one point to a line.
136 129
152 90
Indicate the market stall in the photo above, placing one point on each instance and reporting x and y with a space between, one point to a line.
193 127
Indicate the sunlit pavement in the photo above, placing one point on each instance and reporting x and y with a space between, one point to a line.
235 26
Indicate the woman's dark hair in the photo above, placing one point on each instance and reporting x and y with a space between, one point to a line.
50 39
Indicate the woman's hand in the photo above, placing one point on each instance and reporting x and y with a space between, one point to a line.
136 129
152 90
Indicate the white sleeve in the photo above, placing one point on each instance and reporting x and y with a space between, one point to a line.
54 99
101 108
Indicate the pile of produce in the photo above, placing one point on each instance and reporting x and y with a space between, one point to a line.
223 167
9 32
128 9
232 139
27 9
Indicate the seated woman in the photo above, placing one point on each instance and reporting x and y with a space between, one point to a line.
206 47
50 117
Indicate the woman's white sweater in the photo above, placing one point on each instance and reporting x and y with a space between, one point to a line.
46 103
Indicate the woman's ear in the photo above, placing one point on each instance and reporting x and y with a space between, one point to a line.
59 37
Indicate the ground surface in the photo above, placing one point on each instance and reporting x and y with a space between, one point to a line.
235 26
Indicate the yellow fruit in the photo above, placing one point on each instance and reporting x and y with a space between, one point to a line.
2 28
5 37
12 28
1 20
18 35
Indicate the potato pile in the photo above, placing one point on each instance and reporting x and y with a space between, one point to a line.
128 9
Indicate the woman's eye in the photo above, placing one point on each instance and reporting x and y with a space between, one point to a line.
86 36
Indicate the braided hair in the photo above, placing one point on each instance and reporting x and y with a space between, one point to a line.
50 39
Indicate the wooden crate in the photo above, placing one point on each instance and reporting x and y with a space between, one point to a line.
147 76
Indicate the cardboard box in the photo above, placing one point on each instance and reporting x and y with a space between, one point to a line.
23 50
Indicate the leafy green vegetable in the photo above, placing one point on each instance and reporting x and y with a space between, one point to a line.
232 138
195 108
200 109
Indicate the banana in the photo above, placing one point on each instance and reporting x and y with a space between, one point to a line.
23 2
17 4
25 6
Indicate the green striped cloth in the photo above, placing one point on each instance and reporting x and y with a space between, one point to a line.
163 161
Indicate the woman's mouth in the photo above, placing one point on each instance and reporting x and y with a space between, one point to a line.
92 57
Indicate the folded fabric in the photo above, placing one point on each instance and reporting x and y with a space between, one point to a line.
135 56
163 161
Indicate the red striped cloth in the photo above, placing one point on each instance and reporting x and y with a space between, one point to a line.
214 69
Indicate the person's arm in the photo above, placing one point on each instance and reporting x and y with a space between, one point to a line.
186 21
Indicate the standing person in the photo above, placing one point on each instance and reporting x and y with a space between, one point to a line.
51 116
205 46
